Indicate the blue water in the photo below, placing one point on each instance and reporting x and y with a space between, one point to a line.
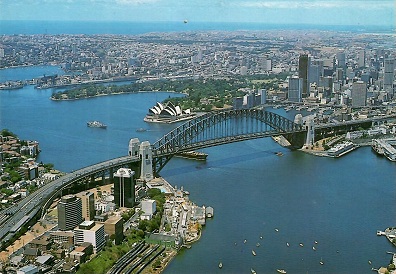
89 27
338 202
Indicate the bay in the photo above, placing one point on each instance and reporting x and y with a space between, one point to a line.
338 202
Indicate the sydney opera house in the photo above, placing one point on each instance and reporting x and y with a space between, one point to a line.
168 113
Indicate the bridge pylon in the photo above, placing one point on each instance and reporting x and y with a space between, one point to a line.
146 157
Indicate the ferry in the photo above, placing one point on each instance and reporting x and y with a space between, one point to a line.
195 155
96 124
341 149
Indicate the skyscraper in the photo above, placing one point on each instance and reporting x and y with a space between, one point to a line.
124 187
341 59
361 58
359 94
389 68
69 212
295 89
303 68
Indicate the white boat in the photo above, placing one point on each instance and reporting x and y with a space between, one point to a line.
281 271
277 230
316 242
258 244
254 253
252 271
220 265
321 261
314 248
301 244
96 124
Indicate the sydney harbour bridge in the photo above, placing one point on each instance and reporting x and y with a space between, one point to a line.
147 160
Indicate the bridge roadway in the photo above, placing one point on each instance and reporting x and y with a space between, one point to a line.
12 218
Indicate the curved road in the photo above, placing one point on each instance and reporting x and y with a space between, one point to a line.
12 218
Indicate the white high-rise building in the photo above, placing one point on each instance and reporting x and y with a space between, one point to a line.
92 233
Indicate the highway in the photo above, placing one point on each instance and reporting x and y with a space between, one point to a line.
13 217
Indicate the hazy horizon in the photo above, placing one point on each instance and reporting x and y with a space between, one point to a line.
348 12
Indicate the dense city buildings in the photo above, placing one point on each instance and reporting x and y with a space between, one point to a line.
295 89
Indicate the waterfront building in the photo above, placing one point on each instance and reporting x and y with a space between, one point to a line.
295 89
90 232
249 100
168 113
124 187
69 212
359 94
303 69
88 205
389 72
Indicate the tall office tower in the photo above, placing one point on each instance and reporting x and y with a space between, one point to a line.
263 93
92 233
295 89
389 75
314 74
124 188
341 59
69 212
361 58
303 68
359 94
88 205
146 155
339 75
248 100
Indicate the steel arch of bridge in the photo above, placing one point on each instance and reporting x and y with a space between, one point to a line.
220 127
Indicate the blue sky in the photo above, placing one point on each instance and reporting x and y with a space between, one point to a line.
324 12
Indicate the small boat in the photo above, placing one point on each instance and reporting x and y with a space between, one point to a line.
252 271
314 248
261 237
141 129
254 253
321 261
244 241
258 244
279 153
277 230
220 265
281 271
301 244
369 262
287 244
316 242
96 124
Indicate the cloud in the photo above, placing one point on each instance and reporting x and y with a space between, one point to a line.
314 4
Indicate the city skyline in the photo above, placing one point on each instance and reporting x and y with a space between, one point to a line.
351 12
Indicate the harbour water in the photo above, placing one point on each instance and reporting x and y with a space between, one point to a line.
340 203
